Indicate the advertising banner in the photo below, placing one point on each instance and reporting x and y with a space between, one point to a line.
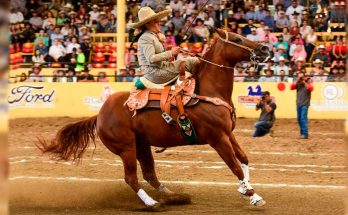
329 100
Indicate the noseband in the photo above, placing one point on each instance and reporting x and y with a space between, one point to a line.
253 56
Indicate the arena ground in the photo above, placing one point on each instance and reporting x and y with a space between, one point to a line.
294 176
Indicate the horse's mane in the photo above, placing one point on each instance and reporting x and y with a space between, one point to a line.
196 70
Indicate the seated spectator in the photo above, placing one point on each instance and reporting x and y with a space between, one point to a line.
247 28
281 67
28 34
252 77
280 54
282 22
318 71
16 16
72 45
251 14
50 20
239 15
295 18
23 77
35 75
65 29
38 58
334 75
299 52
200 32
57 35
269 77
279 8
85 76
282 77
43 37
286 35
209 21
305 29
266 42
86 47
339 51
178 21
62 19
299 67
342 73
70 75
311 40
61 76
103 24
124 76
57 52
261 13
36 21
131 74
282 43
294 28
269 66
272 38
321 55
169 41
260 30
269 20
80 59
40 46
338 12
94 14
253 36
320 23
239 73
294 8
102 77
177 5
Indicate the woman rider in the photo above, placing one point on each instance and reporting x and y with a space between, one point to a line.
154 61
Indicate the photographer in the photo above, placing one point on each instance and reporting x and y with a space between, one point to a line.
303 88
267 117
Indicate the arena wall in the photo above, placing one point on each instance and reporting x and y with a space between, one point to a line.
329 100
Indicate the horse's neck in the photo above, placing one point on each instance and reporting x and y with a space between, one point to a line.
213 80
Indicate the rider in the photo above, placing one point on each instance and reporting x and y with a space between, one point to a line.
155 63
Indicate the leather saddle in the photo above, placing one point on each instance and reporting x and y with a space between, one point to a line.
172 96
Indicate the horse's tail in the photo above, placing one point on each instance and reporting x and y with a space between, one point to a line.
71 141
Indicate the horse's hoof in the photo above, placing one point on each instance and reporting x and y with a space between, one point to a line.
257 200
176 199
157 207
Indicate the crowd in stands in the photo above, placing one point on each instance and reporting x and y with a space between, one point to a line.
61 33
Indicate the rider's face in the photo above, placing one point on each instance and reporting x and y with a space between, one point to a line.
154 26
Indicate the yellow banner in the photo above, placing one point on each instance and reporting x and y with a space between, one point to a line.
329 100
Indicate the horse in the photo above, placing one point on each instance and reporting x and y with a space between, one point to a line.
131 138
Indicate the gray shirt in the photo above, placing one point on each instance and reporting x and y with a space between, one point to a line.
267 116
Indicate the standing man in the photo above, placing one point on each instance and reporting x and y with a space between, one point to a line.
304 89
267 117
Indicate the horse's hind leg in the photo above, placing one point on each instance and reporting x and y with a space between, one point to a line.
225 149
145 158
242 157
130 170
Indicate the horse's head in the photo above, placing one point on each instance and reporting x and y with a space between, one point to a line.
241 48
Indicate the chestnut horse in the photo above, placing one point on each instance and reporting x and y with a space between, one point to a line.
132 137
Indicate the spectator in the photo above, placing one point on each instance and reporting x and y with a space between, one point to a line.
28 34
57 52
43 37
62 18
281 67
70 75
65 29
35 75
269 76
251 14
320 75
239 73
282 22
294 29
23 77
269 20
177 5
311 40
103 24
80 60
299 67
253 36
305 29
50 20
190 6
36 21
272 38
280 52
342 73
102 77
72 45
178 21
61 76
267 117
321 55
278 9
337 12
239 15
260 30
247 28
42 48
38 58
286 35
86 47
294 8
303 88
261 14
94 14
123 76
57 35
282 43
295 18
282 77
339 51
209 22
252 77
200 32
85 76
16 16
334 75
299 52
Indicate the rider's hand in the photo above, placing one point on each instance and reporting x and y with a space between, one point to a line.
175 50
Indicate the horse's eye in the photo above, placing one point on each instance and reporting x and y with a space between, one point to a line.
237 40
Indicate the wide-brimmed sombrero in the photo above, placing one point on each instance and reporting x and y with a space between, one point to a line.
146 14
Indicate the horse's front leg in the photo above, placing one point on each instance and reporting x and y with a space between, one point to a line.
225 150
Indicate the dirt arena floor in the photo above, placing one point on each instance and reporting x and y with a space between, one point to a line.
294 176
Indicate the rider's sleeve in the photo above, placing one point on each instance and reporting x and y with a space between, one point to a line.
148 47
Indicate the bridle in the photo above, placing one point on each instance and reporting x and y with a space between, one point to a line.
253 56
